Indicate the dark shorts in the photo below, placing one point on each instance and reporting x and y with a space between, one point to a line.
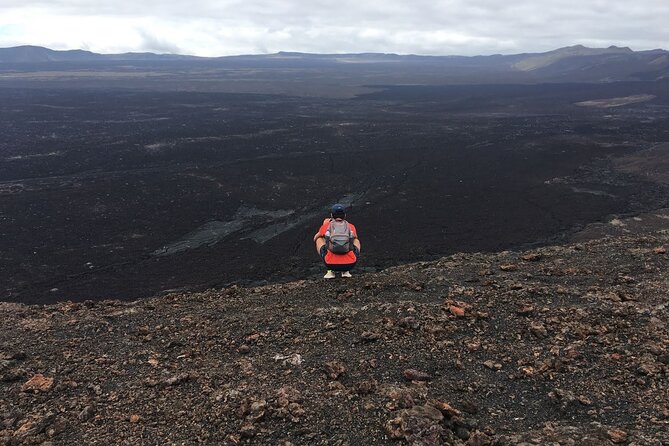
343 266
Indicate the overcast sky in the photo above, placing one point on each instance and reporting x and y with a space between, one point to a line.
438 27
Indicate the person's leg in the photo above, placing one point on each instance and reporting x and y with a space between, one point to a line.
322 251
346 271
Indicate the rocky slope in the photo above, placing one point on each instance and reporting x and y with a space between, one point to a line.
562 345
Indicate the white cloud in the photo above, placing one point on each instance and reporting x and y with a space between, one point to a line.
224 27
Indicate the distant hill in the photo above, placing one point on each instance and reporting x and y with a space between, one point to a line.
533 62
570 64
37 54
578 63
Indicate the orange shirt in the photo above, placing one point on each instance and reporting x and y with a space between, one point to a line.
338 259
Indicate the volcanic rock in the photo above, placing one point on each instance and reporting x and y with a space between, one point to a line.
37 383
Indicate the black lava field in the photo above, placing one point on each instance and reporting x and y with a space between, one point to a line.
127 193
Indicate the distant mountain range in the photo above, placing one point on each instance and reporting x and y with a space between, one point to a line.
37 54
570 64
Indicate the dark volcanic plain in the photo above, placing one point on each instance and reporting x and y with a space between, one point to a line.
124 183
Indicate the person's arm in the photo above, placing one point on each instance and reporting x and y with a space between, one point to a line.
318 234
356 243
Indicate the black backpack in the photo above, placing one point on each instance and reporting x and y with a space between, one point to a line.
339 237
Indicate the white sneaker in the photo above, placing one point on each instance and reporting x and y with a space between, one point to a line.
346 274
329 275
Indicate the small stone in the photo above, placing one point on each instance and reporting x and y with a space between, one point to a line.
660 250
408 322
473 344
531 257
286 395
462 433
58 427
399 398
508 267
584 400
426 411
248 430
525 310
134 418
446 409
617 435
470 407
244 349
369 336
334 369
257 410
492 365
296 410
86 414
366 387
416 375
479 439
539 330
528 371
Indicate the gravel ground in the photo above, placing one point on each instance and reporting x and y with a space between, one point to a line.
562 345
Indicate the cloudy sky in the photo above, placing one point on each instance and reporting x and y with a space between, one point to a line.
439 27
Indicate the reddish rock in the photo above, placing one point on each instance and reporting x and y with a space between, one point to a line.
38 383
446 408
617 436
456 311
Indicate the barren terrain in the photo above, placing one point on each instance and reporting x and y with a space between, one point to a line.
557 345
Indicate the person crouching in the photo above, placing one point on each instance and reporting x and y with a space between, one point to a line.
337 243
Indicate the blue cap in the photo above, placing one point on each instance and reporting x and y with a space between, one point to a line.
338 209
